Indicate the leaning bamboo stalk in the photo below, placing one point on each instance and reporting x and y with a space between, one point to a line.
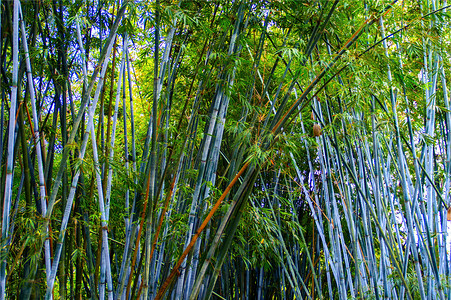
104 221
329 165
200 178
323 155
308 255
232 221
381 212
157 261
174 271
316 219
430 130
151 128
315 208
195 289
277 127
292 272
113 131
10 149
429 76
157 193
374 216
81 156
205 167
130 228
65 220
103 63
37 141
153 154
208 166
210 176
132 118
210 155
77 122
380 203
2 118
400 151
444 263
381 206
323 152
111 151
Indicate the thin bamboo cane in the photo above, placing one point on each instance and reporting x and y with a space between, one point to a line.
104 59
73 189
153 158
10 156
104 222
37 141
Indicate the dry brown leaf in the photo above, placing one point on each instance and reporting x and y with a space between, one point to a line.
316 130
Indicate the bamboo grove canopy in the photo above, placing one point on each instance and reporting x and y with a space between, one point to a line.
284 149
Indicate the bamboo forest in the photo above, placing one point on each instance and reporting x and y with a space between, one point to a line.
225 149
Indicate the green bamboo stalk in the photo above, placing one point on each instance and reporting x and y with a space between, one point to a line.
10 149
153 158
37 141
232 221
75 179
171 276
400 151
103 61
104 222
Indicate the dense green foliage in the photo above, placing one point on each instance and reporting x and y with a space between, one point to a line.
230 149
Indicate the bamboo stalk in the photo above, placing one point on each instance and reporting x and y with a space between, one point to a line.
37 141
10 149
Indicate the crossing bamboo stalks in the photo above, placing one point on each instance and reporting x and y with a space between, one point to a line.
10 148
266 150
